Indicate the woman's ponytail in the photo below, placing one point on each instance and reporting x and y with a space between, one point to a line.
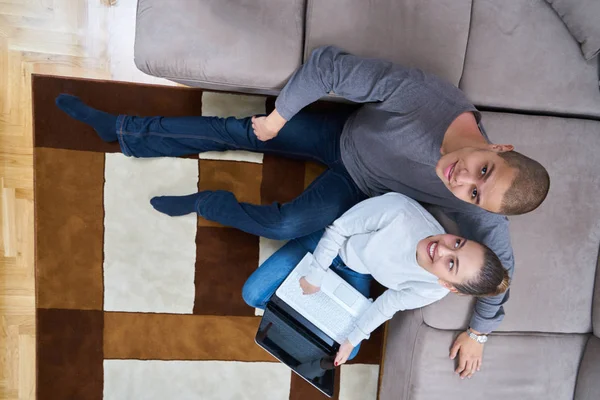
492 280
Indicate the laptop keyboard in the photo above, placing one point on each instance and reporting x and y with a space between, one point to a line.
319 309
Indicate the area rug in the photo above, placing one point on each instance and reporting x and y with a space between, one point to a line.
132 304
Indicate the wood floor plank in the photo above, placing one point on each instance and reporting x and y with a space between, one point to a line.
9 224
61 37
26 371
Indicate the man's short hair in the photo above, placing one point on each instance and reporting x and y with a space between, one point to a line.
529 187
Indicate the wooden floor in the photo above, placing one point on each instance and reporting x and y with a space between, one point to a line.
82 38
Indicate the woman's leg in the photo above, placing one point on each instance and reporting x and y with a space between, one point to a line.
361 282
261 285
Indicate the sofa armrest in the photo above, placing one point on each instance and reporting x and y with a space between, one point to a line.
517 365
229 45
401 334
588 384
596 299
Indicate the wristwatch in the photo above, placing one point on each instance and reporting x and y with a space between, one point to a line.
478 338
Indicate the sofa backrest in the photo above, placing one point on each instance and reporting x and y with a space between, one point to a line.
249 46
428 34
521 56
555 246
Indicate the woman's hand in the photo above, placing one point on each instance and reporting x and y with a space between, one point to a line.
343 353
266 128
307 288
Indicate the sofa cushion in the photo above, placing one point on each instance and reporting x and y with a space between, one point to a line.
521 56
250 45
588 384
555 246
581 17
429 34
416 365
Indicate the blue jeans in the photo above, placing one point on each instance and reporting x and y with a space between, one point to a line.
261 285
307 136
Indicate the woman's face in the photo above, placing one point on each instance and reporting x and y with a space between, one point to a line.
454 260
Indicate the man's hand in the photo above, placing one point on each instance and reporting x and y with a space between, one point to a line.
470 355
343 353
307 288
266 128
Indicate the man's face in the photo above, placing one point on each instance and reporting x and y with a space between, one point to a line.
478 176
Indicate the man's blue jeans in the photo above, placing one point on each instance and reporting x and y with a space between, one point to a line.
307 136
261 285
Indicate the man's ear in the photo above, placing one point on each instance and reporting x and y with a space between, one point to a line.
447 285
502 148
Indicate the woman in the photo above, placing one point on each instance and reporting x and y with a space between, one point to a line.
394 240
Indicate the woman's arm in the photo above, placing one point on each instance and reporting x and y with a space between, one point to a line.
380 311
386 305
367 216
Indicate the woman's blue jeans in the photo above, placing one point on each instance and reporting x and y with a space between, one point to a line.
261 285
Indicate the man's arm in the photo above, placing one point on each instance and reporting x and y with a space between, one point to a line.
362 80
491 230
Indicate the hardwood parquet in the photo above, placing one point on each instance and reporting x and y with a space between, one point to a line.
78 38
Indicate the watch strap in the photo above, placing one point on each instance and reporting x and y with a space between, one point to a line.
478 338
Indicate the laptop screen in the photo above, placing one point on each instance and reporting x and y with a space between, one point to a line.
278 335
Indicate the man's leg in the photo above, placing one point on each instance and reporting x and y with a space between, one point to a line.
103 123
313 136
328 197
261 285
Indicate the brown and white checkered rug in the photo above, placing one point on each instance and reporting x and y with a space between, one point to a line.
132 304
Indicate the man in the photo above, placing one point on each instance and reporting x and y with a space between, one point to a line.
417 135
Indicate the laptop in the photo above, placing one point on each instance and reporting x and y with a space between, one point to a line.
305 331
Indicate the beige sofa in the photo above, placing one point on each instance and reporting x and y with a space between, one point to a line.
518 62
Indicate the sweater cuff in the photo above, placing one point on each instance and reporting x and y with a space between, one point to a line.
283 110
482 326
315 276
357 336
